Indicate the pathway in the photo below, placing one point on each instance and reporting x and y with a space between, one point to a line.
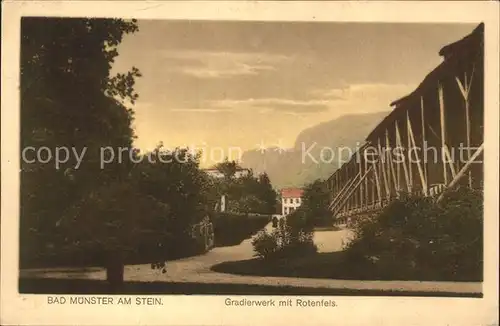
197 270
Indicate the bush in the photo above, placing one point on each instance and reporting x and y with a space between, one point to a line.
413 237
265 244
290 239
231 229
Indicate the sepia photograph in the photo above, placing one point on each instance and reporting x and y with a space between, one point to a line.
249 158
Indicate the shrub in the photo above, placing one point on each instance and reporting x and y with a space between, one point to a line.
265 244
413 237
290 239
231 229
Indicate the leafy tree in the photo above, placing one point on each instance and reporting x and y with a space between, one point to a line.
69 99
315 202
415 238
227 168
267 194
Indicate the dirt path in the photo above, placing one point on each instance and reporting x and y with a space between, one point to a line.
197 270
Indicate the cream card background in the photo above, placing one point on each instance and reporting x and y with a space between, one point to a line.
210 310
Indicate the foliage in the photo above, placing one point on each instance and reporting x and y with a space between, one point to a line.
415 238
246 204
291 238
69 98
246 194
265 244
231 229
174 177
315 202
227 168
116 220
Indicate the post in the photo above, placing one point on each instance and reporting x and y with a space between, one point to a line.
400 145
382 160
377 183
424 164
352 190
462 171
391 165
410 170
343 190
443 131
465 93
423 178
361 186
366 194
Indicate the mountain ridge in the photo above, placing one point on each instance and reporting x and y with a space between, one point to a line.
317 152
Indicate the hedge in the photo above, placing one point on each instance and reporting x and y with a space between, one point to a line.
231 229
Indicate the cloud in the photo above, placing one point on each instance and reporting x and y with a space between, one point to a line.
360 92
276 104
200 110
354 98
210 64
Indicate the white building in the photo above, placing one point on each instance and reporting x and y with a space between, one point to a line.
291 199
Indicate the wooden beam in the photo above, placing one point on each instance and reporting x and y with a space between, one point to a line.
400 145
443 131
391 164
381 159
462 172
341 193
410 170
351 191
464 89
424 145
361 187
366 194
377 183
423 179
450 162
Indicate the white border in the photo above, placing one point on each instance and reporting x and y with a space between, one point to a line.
208 310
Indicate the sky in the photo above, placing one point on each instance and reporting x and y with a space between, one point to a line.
259 84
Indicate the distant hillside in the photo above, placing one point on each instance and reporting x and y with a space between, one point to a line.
294 168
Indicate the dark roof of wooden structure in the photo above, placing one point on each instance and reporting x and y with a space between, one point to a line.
452 55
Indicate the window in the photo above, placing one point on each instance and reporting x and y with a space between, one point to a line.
297 200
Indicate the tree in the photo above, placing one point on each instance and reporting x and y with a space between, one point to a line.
227 168
69 99
315 202
267 194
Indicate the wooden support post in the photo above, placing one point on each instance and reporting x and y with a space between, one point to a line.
464 89
361 186
382 160
400 145
410 163
391 165
462 172
443 131
396 148
450 162
423 179
377 183
424 140
344 189
366 194
353 189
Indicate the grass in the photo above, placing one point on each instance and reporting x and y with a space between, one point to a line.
59 286
327 228
332 265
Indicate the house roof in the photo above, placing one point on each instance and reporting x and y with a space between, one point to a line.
292 192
